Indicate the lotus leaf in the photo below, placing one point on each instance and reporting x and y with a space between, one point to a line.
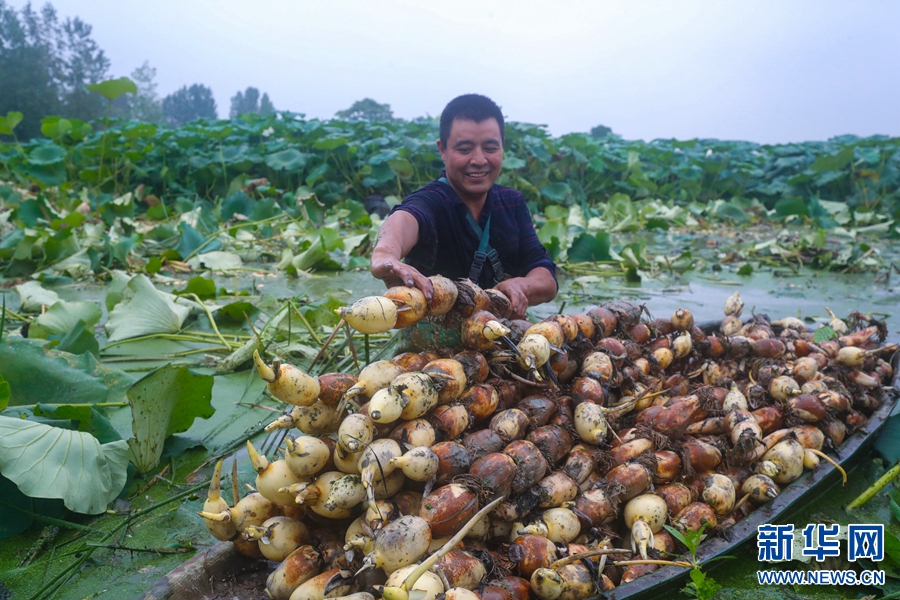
49 462
47 154
143 311
33 295
113 88
164 402
62 316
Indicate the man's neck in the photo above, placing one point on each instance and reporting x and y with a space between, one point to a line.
475 206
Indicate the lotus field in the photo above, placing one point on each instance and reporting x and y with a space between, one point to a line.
143 266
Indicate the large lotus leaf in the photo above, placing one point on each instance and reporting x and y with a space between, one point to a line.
78 340
113 88
557 192
33 295
49 462
83 417
311 256
38 374
164 402
143 311
786 207
47 154
218 260
63 316
590 248
117 285
286 160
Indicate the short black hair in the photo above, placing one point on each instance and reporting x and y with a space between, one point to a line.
473 107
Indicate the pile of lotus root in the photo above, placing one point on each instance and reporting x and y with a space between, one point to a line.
539 460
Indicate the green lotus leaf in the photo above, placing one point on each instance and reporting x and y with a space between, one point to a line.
62 316
143 311
164 402
113 88
33 295
47 154
49 462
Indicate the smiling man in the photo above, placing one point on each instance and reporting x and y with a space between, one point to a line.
463 224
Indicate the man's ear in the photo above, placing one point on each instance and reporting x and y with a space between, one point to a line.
440 148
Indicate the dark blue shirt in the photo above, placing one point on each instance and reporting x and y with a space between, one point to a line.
447 242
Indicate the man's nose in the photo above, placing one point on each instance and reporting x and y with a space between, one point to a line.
478 156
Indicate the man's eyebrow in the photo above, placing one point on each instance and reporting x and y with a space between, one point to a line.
466 142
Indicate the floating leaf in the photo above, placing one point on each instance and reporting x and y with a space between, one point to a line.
116 286
203 287
113 88
143 311
49 462
164 402
193 241
33 296
84 418
36 374
590 248
234 312
216 260
62 316
78 340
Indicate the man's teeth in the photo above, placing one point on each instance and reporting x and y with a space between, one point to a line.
476 174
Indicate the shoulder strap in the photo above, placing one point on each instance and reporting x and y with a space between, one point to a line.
484 252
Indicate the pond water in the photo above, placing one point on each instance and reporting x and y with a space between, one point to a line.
237 399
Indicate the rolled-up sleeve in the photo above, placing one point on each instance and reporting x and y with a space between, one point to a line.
421 207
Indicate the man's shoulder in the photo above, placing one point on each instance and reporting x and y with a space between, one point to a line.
432 191
507 196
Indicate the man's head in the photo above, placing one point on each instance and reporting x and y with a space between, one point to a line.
471 145
472 107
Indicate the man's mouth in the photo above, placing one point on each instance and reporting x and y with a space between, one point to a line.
477 175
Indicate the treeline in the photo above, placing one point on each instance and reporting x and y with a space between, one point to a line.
46 63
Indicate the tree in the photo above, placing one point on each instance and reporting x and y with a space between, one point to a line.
249 101
189 103
265 105
45 66
83 63
145 105
367 110
601 131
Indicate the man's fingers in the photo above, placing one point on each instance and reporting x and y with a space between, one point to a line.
424 284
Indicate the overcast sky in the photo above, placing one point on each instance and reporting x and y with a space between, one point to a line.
771 71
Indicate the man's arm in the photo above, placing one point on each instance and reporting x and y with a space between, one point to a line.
537 287
398 235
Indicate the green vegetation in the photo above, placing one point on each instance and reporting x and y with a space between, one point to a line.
132 194
701 586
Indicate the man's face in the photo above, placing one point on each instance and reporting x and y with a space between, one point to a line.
473 157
